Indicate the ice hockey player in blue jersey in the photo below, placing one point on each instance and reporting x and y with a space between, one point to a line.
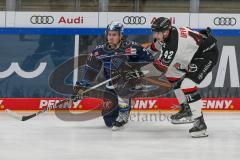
113 55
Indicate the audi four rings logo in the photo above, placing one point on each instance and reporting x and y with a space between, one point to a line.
134 20
42 19
225 21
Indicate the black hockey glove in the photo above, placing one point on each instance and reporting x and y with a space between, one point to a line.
78 90
206 32
134 74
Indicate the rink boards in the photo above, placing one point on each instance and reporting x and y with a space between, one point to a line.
25 69
138 104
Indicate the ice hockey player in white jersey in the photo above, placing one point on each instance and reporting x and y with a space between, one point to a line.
185 57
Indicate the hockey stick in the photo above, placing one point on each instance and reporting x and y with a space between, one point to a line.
27 117
161 83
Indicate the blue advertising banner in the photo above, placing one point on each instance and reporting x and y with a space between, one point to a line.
27 61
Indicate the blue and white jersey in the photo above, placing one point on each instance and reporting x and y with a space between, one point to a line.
102 55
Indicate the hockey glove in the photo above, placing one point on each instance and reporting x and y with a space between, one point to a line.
135 74
78 90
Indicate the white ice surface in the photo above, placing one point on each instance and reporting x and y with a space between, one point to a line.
48 138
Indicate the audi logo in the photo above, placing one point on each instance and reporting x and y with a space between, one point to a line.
42 19
134 20
225 21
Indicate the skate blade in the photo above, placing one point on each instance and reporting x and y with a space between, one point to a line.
199 134
182 121
115 128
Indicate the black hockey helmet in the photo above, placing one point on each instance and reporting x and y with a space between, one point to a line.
161 24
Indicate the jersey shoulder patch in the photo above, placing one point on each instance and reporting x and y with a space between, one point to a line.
98 50
130 44
183 32
100 46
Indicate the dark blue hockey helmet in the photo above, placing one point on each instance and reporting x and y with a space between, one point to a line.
115 26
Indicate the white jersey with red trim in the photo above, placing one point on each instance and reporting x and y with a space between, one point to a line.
177 51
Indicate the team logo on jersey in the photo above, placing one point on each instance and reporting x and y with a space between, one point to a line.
130 51
192 68
183 32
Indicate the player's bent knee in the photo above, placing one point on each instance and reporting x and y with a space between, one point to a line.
109 120
190 90
110 116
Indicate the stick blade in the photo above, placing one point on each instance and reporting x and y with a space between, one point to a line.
13 114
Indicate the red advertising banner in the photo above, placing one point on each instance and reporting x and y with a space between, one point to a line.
145 104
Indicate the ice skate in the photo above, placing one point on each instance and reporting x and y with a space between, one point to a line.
183 116
122 118
199 128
